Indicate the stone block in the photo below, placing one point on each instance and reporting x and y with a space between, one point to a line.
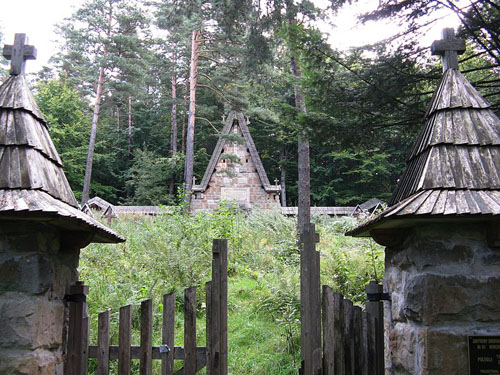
39 362
28 273
30 323
406 348
431 298
445 353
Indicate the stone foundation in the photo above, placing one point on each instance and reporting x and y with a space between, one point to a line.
35 275
444 282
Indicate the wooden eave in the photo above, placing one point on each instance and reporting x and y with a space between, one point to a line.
238 116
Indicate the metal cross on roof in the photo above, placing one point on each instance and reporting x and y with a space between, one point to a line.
18 54
448 48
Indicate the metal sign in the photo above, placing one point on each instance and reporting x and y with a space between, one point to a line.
484 355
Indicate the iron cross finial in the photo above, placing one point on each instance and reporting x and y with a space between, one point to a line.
18 54
448 48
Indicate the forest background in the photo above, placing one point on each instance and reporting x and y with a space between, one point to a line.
364 106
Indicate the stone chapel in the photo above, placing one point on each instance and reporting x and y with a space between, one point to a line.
235 172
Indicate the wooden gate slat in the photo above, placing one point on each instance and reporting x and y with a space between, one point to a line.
358 343
103 343
124 340
328 332
208 323
168 334
190 331
339 333
146 337
348 338
215 310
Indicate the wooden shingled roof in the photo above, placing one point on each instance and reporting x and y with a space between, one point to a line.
454 167
238 116
32 180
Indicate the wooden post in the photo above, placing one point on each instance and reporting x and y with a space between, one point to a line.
190 331
218 306
124 340
76 362
146 337
168 334
375 309
103 344
310 297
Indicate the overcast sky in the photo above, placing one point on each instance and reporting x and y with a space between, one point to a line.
37 18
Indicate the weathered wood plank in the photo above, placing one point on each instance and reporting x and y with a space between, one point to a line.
223 306
348 337
124 340
146 337
168 334
375 310
359 357
103 343
339 333
190 331
215 344
328 332
208 322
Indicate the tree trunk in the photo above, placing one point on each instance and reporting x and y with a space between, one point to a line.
130 127
184 122
304 206
283 156
95 119
173 139
193 80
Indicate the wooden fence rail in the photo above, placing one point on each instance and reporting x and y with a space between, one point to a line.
194 357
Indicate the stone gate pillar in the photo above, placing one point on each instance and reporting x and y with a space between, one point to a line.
41 231
441 232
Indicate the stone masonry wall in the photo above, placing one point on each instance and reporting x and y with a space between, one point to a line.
35 275
236 182
444 281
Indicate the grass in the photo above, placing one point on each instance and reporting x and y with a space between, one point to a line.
169 253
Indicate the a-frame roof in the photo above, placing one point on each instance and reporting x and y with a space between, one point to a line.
32 180
241 122
454 167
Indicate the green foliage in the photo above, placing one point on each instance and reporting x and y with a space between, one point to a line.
149 175
171 252
68 119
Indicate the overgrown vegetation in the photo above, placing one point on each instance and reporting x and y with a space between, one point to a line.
169 253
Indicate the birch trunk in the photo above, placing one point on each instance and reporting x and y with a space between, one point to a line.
173 139
193 81
95 119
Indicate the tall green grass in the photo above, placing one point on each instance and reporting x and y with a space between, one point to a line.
171 252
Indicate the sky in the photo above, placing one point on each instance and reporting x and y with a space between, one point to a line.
37 19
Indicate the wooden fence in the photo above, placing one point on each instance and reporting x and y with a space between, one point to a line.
351 341
195 358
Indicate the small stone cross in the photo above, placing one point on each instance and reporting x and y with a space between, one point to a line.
18 54
194 180
276 181
448 48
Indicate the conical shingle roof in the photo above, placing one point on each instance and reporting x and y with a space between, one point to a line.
454 167
32 180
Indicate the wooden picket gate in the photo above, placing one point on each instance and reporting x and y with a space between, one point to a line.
213 356
337 338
